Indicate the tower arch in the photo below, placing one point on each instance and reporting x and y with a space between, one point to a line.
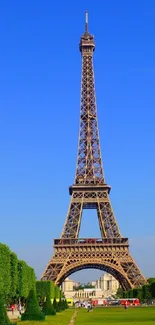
114 269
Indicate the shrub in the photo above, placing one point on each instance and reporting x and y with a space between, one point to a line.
56 305
63 304
60 306
4 320
66 304
48 308
33 311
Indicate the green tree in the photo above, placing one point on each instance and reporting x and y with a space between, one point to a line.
125 294
120 292
45 289
135 292
152 289
26 279
150 280
5 272
33 311
146 292
84 286
130 293
140 294
31 278
14 275
23 285
48 307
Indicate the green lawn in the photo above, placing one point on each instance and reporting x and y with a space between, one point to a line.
62 318
105 316
117 315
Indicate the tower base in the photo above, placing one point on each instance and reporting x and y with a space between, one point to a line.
107 254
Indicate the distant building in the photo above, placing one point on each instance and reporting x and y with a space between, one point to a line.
68 287
93 283
76 284
108 284
85 294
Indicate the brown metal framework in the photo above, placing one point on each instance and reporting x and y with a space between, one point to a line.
90 191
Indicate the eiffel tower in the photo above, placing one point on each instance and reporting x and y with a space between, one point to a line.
109 253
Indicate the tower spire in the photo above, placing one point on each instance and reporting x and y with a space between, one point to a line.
86 22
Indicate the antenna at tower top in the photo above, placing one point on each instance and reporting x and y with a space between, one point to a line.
86 21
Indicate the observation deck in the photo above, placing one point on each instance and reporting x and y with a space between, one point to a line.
91 242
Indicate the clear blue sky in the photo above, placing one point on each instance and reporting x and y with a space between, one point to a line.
40 71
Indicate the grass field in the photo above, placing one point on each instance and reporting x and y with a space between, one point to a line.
105 316
62 318
117 315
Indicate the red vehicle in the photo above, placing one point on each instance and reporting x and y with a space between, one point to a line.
130 302
99 302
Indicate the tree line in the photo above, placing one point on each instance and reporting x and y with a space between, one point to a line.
34 308
46 289
17 279
144 293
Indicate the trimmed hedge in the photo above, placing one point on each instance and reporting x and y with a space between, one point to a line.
48 308
46 289
33 311
43 289
57 293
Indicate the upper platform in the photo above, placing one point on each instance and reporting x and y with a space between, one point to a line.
83 188
87 43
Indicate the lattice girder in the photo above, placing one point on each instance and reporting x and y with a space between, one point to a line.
70 256
89 163
90 191
89 198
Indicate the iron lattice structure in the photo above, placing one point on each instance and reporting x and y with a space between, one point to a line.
90 191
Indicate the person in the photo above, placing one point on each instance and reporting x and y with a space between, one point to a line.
20 309
90 308
12 308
